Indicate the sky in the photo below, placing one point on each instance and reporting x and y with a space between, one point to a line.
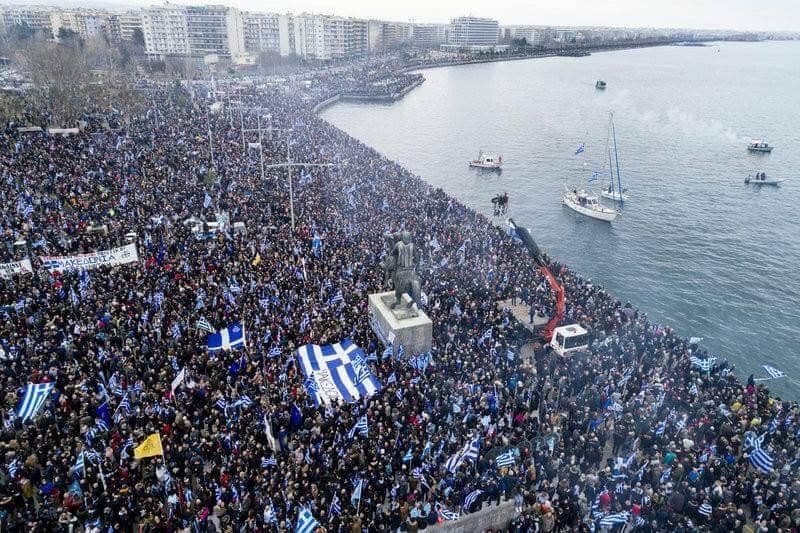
767 15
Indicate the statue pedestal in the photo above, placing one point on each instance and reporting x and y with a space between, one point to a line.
403 326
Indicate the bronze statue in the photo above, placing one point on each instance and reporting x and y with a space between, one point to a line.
398 266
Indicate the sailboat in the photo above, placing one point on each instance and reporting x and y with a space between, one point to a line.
609 192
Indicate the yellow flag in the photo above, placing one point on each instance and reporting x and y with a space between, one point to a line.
150 447
257 259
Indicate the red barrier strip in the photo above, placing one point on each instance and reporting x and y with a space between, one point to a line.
561 305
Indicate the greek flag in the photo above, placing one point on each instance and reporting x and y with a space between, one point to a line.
271 461
13 468
420 362
306 523
706 509
80 467
594 177
336 298
773 372
356 497
176 331
409 455
581 149
336 506
392 379
333 368
361 369
506 459
468 453
447 515
230 338
751 440
695 340
615 519
471 497
27 211
666 475
33 399
361 426
206 201
703 364
205 325
761 460
662 426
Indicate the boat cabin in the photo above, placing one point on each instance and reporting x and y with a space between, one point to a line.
569 339
758 144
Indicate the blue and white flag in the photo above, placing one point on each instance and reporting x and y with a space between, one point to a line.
80 467
336 506
773 372
760 459
206 201
230 338
205 325
316 245
581 149
703 364
355 499
471 497
268 461
468 453
333 370
361 426
306 523
594 177
506 459
33 399
176 331
615 519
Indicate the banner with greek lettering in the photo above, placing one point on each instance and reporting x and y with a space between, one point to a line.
115 256
15 267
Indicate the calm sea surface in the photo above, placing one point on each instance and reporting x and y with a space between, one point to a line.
694 248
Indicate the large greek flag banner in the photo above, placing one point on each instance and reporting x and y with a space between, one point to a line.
33 399
336 372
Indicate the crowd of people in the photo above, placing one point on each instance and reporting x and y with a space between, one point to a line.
639 433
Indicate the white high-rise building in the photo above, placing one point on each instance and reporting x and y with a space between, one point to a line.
129 22
326 37
473 31
195 31
36 18
267 32
166 31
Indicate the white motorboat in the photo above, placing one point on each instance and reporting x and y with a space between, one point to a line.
757 145
487 161
586 203
762 179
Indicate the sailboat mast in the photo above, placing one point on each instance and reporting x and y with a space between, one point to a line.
616 157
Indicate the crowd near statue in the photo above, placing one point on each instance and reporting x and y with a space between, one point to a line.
399 268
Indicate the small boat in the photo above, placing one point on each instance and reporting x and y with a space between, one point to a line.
762 179
585 203
613 194
487 161
600 84
757 145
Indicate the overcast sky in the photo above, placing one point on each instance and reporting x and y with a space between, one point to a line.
727 14
709 14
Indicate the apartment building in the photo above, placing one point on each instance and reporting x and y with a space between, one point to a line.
326 37
128 23
36 18
473 32
429 35
267 32
195 31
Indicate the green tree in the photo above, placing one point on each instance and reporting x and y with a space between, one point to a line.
138 37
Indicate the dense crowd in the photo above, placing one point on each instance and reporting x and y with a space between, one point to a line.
632 434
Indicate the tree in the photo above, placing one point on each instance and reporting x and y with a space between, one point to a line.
60 77
21 31
138 37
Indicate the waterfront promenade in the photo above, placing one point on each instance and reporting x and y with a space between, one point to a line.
244 447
